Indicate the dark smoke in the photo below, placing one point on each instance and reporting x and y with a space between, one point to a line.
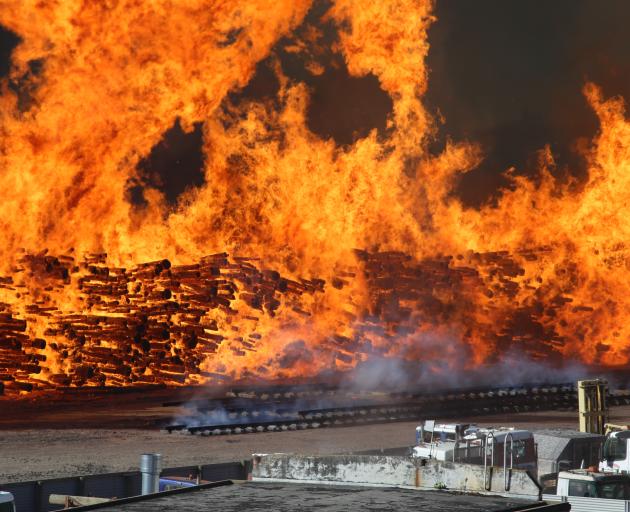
173 166
509 75
8 41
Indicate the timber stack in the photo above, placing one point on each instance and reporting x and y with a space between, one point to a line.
154 323
72 322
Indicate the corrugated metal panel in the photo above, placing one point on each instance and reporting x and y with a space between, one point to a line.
183 471
135 484
592 504
25 494
33 495
227 471
58 486
106 486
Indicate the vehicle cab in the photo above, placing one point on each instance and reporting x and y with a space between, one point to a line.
588 484
615 453
468 443
439 440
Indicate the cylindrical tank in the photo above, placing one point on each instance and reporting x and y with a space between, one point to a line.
150 467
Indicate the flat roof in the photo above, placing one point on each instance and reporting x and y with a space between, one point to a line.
584 474
564 433
263 496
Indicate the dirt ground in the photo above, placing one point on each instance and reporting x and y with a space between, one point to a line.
30 453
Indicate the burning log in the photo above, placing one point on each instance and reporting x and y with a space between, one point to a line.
166 319
17 386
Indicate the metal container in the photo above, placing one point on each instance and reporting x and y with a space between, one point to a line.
150 467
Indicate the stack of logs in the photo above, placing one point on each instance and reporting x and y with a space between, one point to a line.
153 323
476 295
157 323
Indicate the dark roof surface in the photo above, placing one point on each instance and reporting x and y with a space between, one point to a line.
552 442
565 433
256 496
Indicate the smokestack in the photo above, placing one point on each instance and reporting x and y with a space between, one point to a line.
150 467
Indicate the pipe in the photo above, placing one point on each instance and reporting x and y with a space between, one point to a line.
150 467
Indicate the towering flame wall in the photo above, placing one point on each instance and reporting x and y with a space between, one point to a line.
372 254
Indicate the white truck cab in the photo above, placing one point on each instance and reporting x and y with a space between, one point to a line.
459 442
439 440
7 503
588 484
615 453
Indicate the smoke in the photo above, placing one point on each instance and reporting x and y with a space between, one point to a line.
436 361
513 369
365 383
509 75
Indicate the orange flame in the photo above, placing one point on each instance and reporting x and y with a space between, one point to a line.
542 270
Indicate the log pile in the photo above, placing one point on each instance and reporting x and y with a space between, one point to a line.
153 323
82 322
484 297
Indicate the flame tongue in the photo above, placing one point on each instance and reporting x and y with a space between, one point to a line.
95 86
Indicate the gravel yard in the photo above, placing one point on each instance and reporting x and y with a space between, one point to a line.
33 446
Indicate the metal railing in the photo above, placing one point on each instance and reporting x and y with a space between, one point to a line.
487 472
507 472
32 496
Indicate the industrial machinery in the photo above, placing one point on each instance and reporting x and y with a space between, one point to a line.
615 453
7 503
507 447
593 412
559 449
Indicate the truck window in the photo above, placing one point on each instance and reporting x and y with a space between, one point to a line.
582 488
448 436
614 490
519 449
6 507
614 449
439 435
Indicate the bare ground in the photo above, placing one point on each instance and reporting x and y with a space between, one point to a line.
38 441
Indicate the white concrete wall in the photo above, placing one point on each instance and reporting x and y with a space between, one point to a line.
392 471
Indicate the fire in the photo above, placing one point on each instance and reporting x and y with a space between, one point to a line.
333 253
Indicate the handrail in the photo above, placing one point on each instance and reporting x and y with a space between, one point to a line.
487 482
507 476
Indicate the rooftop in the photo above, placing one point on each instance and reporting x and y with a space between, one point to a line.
565 433
254 496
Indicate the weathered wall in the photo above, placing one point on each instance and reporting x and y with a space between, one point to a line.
392 471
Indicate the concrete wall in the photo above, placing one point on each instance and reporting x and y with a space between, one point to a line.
393 471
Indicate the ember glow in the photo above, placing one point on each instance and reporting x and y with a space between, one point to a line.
296 255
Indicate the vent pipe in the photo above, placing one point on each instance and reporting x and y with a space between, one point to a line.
150 467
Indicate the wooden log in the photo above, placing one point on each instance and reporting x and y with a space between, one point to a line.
31 368
18 386
36 344
168 376
10 344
